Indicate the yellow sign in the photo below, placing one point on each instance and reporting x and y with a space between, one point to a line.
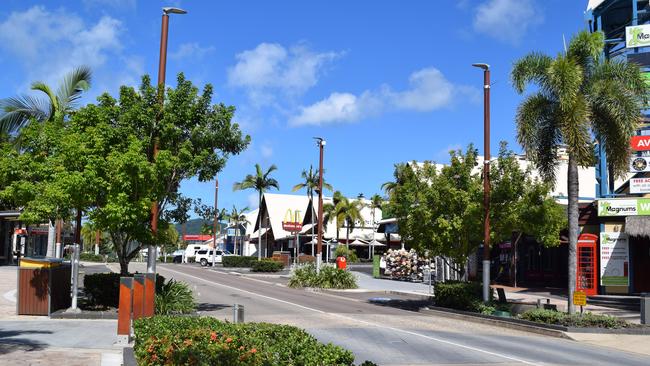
579 298
292 216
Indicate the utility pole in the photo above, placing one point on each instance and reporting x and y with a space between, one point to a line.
162 65
486 180
216 219
319 249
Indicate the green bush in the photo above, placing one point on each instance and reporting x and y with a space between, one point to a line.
165 340
460 295
349 254
174 298
329 277
238 261
267 265
103 289
575 320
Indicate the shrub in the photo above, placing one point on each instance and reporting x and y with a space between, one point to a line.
349 254
204 340
174 298
575 320
267 265
238 261
460 295
329 277
103 289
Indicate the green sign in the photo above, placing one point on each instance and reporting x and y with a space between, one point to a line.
624 207
637 36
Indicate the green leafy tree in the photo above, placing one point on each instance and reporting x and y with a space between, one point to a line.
578 97
261 181
310 180
168 239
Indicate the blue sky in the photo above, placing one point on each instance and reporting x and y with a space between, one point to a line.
382 81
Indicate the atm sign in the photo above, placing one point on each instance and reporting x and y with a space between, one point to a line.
640 143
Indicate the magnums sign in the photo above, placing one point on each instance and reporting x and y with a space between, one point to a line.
624 207
637 36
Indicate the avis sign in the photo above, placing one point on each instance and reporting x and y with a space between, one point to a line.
624 207
637 36
640 143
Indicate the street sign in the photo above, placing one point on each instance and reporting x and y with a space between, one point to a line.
639 164
640 185
579 298
291 227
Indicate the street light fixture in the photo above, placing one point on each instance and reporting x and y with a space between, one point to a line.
162 65
486 179
319 249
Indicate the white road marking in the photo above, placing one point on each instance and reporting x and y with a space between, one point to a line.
362 321
10 295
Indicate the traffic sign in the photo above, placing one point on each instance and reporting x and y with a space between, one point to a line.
579 298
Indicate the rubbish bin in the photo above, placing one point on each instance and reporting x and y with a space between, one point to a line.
43 286
341 262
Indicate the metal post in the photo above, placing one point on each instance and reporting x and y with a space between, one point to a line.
319 249
216 219
486 180
645 308
125 308
138 295
75 277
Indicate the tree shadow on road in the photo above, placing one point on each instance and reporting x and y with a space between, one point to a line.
204 306
403 304
10 341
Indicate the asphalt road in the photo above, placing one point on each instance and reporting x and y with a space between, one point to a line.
386 335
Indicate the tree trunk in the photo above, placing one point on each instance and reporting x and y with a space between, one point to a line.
259 230
573 212
124 266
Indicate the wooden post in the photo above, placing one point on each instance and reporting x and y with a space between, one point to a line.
125 307
149 294
138 295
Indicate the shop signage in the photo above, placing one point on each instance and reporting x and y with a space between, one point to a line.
640 185
639 164
292 221
640 143
614 259
637 36
624 207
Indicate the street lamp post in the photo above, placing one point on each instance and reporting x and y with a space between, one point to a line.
216 218
486 180
162 65
319 249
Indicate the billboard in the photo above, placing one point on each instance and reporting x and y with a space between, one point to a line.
624 207
614 259
637 36
640 185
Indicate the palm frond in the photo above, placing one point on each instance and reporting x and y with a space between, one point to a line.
74 83
565 78
17 112
45 89
531 68
586 47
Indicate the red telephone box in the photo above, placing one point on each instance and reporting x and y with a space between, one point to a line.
587 263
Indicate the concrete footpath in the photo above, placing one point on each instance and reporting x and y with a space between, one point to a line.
38 340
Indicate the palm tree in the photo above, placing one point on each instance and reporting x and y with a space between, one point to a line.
18 112
343 211
310 182
261 182
578 96
389 187
237 218
331 211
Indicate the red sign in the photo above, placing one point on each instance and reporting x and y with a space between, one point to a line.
196 237
640 143
293 227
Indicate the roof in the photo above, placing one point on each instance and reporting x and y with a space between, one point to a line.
593 4
637 226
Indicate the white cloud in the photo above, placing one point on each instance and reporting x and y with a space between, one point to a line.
428 90
507 20
48 44
191 50
270 67
266 151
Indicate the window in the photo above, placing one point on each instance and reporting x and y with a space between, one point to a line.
202 252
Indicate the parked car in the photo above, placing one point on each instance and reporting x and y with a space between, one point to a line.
192 249
177 256
205 258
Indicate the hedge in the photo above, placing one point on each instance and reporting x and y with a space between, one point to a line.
329 277
460 295
163 340
103 289
573 320
238 261
267 265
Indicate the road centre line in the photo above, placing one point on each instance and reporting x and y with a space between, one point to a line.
361 321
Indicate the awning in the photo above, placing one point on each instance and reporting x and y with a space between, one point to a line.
358 243
637 225
375 243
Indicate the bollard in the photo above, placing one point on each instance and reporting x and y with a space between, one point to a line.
645 307
238 313
124 311
138 295
149 294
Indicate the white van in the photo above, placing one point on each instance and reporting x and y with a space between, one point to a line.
190 251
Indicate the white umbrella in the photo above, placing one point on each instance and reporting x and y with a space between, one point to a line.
358 243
